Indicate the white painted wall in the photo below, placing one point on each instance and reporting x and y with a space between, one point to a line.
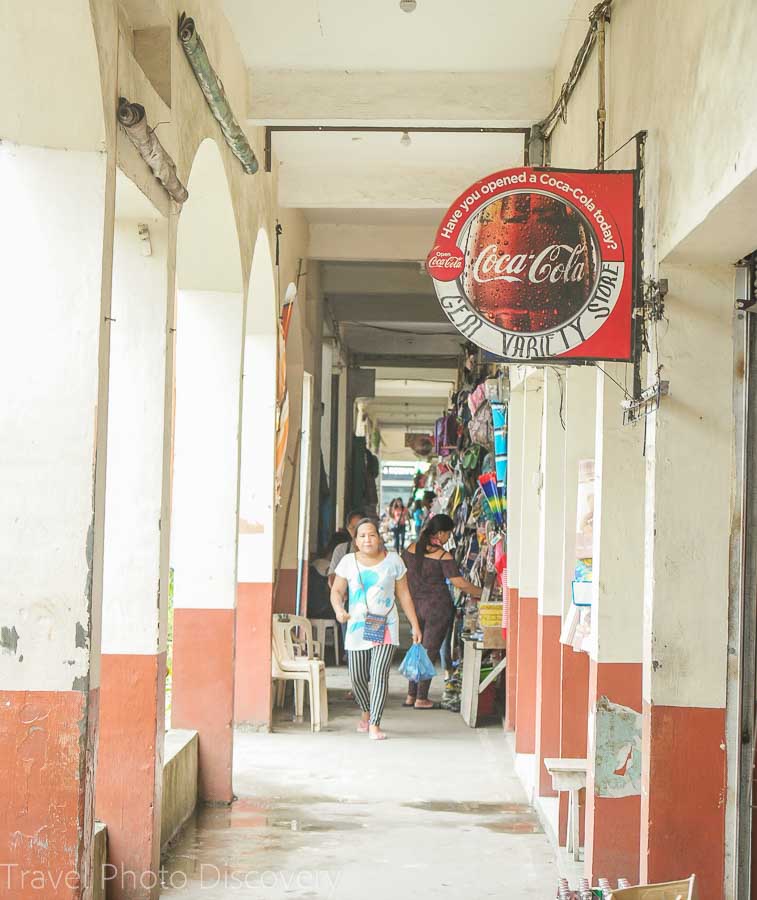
256 531
689 477
54 368
552 510
528 541
206 449
137 421
701 131
257 469
617 608
580 414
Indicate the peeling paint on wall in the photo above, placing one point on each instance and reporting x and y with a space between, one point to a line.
9 639
81 636
618 750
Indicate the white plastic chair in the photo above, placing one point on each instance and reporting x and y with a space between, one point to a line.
287 666
671 890
322 628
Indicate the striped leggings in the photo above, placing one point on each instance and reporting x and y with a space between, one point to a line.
371 665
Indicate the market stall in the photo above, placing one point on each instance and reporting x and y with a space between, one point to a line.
469 481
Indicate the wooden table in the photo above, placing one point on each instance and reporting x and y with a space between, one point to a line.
472 685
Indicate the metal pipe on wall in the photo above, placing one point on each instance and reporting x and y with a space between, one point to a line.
601 109
132 118
215 95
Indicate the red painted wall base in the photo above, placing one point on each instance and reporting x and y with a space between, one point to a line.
574 716
548 655
683 811
525 713
203 692
47 754
512 662
612 823
130 769
252 679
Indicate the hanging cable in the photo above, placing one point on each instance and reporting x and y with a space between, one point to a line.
615 380
559 111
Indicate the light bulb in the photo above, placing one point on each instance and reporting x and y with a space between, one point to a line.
408 6
405 139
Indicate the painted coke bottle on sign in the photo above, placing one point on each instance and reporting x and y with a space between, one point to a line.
535 264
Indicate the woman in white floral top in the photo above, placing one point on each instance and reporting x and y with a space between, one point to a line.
375 580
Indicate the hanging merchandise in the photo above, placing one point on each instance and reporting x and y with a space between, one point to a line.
495 500
499 418
481 429
464 480
446 434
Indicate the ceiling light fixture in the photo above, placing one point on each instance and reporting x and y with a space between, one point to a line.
405 139
408 6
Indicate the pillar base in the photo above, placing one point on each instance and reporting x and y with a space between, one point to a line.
512 662
547 741
252 679
683 809
130 769
203 693
574 720
525 715
612 821
47 749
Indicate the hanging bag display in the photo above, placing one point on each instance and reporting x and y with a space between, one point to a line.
446 434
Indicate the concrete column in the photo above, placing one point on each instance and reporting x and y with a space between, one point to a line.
614 737
689 487
287 515
550 576
252 690
136 577
580 414
344 449
528 567
204 529
54 347
514 493
255 564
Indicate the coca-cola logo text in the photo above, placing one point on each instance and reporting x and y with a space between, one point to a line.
557 263
444 260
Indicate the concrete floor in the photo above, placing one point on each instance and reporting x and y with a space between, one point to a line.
435 811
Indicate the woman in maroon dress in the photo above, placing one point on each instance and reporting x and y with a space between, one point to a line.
429 568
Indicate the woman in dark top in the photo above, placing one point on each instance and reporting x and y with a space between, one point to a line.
429 568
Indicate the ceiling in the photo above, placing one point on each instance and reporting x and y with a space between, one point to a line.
372 203
375 35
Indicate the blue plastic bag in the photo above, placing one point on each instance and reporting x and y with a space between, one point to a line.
416 666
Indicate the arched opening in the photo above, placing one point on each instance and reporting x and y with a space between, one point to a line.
252 704
209 344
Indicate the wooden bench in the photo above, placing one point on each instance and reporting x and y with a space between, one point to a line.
569 775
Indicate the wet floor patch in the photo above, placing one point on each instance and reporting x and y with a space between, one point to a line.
469 807
505 818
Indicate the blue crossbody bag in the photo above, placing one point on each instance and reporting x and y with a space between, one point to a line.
374 629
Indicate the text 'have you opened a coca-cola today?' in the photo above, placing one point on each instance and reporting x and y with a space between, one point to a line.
538 264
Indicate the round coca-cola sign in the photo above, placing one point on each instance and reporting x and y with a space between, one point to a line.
537 264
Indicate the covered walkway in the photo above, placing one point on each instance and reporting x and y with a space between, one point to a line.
436 811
